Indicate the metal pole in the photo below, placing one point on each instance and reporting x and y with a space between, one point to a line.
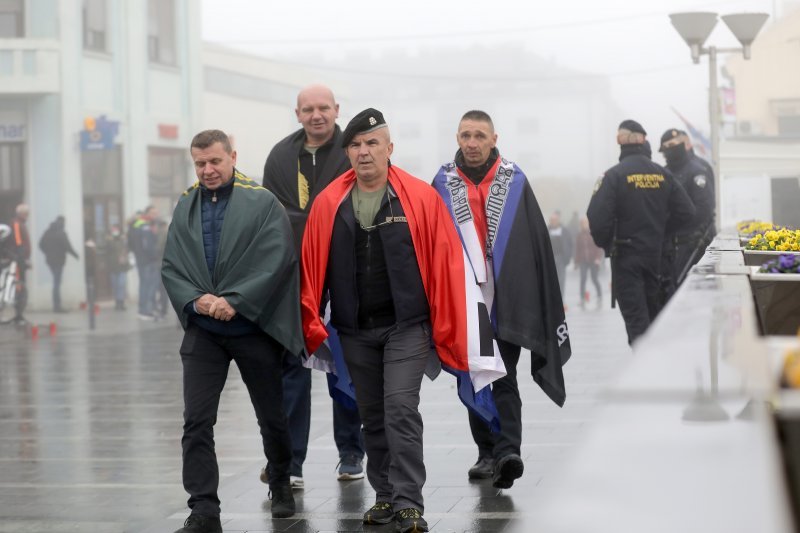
714 112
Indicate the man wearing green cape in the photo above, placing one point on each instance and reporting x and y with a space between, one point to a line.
230 270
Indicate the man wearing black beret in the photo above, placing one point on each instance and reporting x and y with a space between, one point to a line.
380 243
685 243
627 215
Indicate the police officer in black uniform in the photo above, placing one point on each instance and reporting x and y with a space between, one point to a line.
627 216
685 243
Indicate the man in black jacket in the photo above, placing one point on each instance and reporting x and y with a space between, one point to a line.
55 245
296 171
685 244
627 215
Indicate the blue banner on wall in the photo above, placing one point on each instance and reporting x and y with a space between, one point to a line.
99 134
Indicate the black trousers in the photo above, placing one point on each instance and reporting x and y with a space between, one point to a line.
386 366
590 268
638 291
509 407
206 358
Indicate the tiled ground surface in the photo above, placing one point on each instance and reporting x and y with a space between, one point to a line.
90 426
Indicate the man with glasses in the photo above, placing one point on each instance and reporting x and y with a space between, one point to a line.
379 242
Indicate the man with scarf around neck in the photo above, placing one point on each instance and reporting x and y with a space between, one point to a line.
685 244
628 215
231 274
298 168
379 244
508 243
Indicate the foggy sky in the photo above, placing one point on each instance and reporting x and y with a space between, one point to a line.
649 66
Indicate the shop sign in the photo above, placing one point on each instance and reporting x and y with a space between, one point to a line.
98 133
10 131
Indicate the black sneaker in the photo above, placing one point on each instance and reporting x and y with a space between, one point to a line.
282 501
483 469
410 521
380 513
197 523
508 469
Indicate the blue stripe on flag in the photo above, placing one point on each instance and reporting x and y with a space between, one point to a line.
480 403
340 386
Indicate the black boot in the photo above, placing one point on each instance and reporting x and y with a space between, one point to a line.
201 524
282 501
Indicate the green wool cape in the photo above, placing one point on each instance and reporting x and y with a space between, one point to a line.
256 269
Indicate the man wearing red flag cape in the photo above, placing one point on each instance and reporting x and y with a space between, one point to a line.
380 245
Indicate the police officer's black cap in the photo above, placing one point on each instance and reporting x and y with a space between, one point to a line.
670 134
632 125
368 120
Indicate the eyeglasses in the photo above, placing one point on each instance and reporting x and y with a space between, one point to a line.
389 220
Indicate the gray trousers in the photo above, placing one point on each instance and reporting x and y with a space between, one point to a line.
386 366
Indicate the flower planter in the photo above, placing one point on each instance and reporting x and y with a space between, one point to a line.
777 298
759 257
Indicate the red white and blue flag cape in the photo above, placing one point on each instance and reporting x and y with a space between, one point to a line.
461 330
504 235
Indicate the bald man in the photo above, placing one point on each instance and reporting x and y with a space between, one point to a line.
296 171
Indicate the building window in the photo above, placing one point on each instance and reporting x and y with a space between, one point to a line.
94 25
12 18
169 175
161 32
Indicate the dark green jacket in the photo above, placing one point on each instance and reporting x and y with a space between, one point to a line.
256 268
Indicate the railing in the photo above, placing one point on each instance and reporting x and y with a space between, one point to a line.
29 66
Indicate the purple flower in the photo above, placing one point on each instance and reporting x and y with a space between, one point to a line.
786 261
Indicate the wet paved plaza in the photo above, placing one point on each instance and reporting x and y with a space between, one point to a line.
90 428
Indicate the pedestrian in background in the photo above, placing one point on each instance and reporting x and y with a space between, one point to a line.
561 240
143 242
628 215
55 245
21 251
686 243
587 259
118 263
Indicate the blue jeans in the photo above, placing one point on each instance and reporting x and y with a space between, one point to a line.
118 285
58 271
148 286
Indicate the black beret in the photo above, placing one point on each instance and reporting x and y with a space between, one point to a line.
670 134
632 125
368 120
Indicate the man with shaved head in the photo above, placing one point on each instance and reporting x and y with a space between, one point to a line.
298 168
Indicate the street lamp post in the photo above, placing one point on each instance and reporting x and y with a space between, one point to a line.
695 29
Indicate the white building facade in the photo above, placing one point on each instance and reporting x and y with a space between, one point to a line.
99 100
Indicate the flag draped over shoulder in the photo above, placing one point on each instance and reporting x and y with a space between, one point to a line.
519 279
461 331
256 268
